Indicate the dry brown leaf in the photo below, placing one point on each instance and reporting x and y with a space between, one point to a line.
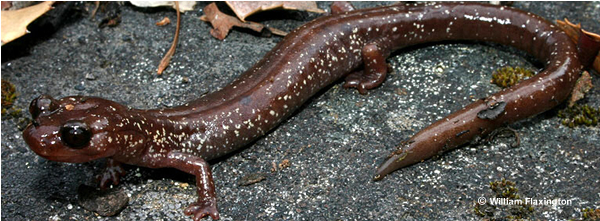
6 4
582 86
14 23
244 9
183 6
574 31
277 31
222 23
164 22
570 29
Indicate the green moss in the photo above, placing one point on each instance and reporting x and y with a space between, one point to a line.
15 112
509 76
591 214
484 210
579 115
9 95
504 189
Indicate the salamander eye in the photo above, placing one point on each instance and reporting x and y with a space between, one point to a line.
75 134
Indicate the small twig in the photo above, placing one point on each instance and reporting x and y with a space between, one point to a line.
167 58
97 3
514 132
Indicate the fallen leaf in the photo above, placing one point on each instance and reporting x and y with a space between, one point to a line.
277 31
14 23
183 6
582 86
6 4
222 23
164 22
574 31
243 9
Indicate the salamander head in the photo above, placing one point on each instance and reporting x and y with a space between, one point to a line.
78 129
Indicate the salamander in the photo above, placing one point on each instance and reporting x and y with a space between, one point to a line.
348 43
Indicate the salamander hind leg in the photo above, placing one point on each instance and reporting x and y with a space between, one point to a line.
374 72
207 201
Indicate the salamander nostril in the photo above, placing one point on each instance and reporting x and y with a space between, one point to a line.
41 104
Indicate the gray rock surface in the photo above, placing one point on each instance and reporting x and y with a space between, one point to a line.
333 144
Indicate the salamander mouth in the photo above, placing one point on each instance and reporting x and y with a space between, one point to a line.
59 155
68 158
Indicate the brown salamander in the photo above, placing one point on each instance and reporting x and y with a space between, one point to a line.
348 43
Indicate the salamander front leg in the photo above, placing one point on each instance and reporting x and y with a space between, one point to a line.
112 172
374 73
207 201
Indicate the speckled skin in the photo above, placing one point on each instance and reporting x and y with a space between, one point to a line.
307 60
